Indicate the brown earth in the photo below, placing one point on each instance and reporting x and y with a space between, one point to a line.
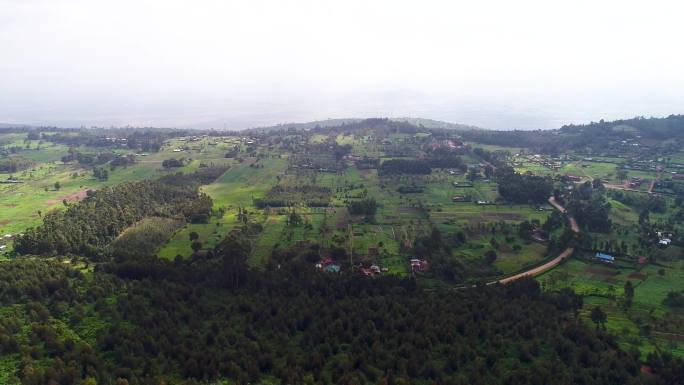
76 196
598 271
639 276
342 220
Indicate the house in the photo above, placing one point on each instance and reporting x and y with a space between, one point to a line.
604 257
324 263
366 272
459 198
643 260
665 241
332 268
419 265
375 269
573 178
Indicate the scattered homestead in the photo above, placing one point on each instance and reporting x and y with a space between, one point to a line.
419 265
602 257
456 212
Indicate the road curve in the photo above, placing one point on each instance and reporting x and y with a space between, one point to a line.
552 263
539 269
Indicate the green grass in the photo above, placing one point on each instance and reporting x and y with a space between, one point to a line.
209 235
603 286
240 185
20 203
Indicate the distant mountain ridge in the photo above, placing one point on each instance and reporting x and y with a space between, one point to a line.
419 122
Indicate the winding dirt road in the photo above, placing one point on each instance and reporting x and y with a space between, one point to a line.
552 263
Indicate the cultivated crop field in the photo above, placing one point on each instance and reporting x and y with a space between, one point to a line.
647 324
307 194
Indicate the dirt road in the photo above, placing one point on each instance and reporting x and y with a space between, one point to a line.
556 205
552 263
539 269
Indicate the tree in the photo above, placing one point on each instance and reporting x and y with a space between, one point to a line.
101 173
294 219
629 293
193 236
58 185
473 174
597 183
196 246
621 173
488 171
490 256
598 316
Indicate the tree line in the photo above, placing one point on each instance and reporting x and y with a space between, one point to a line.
87 227
404 166
523 188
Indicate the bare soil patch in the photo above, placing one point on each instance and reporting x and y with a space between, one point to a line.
598 271
76 196
342 219
639 276
365 174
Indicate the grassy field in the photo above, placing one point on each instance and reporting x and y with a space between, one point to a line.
21 202
604 286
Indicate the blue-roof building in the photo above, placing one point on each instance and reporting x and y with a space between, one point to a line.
605 257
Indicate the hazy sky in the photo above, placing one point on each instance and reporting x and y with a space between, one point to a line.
498 64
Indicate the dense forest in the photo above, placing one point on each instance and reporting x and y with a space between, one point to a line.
87 227
88 298
12 164
592 137
204 320
523 188
589 207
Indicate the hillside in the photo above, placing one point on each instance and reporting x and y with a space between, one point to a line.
143 256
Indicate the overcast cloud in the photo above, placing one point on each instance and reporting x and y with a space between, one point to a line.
498 64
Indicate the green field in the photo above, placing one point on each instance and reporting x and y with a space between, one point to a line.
603 286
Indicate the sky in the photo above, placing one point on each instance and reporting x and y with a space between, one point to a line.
496 64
